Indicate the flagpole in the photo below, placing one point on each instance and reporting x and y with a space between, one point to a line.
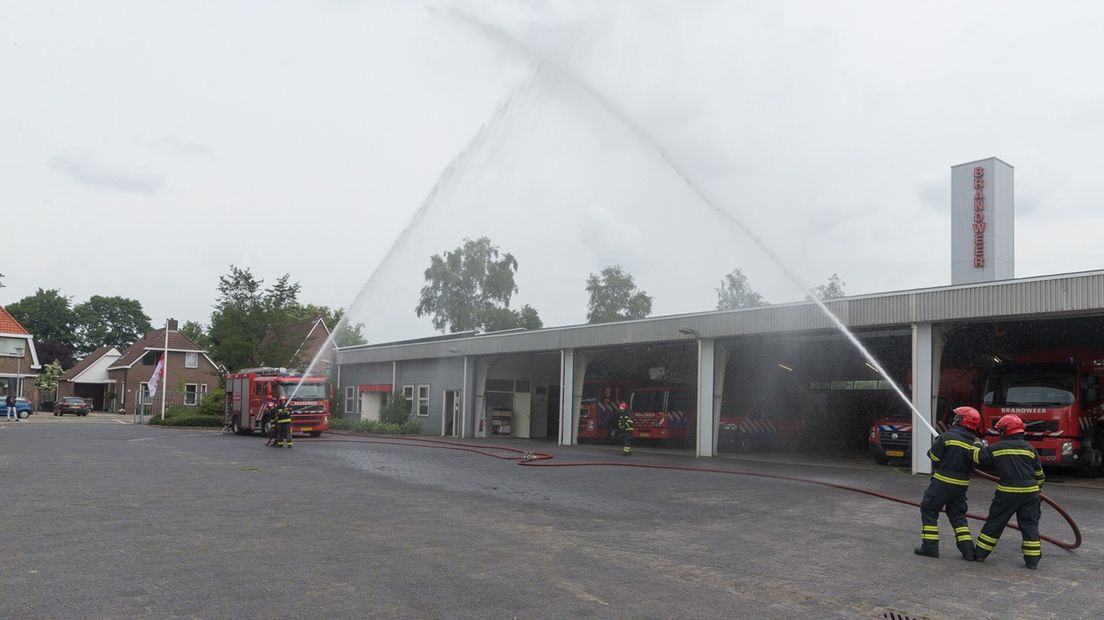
165 371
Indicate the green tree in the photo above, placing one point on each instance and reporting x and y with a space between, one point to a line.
469 288
614 297
115 321
832 290
195 332
735 293
245 314
48 315
47 380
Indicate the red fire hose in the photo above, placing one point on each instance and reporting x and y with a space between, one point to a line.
537 459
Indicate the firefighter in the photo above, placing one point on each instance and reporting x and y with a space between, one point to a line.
1021 477
953 455
625 425
283 424
268 422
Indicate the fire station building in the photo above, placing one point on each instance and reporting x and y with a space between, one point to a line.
789 360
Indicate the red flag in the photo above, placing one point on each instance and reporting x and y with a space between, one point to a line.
157 372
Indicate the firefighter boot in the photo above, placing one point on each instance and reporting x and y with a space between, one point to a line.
929 548
966 547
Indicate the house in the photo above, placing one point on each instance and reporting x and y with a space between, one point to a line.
89 379
297 344
190 374
18 357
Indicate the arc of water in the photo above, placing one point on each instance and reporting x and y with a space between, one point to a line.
540 60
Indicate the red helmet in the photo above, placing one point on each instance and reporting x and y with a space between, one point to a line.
968 418
1010 424
624 406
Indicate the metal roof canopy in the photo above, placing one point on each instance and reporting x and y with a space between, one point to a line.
1059 295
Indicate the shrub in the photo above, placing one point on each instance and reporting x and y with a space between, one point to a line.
180 415
213 404
410 427
396 410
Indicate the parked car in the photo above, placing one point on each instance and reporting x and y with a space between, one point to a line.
71 404
23 408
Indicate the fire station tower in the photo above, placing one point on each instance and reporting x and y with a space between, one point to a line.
982 222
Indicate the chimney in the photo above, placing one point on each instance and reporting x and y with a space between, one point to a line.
172 325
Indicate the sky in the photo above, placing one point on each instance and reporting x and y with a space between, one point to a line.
146 147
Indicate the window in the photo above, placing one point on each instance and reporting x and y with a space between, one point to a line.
143 394
408 393
191 360
202 390
423 400
190 392
351 400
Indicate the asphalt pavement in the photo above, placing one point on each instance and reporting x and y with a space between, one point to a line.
107 519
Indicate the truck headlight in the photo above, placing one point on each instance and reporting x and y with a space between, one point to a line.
1067 448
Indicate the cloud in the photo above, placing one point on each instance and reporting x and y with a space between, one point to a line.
85 168
180 147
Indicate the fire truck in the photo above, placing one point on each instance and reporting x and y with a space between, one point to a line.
247 391
890 437
1057 395
663 412
598 408
759 424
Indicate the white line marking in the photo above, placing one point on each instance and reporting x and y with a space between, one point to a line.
121 422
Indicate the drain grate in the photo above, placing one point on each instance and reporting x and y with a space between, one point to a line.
893 615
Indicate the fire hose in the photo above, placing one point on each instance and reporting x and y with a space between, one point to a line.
528 458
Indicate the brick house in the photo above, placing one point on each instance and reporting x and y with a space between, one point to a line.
18 357
89 379
191 372
304 340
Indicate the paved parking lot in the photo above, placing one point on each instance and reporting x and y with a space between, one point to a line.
106 519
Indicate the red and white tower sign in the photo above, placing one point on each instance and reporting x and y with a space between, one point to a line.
982 222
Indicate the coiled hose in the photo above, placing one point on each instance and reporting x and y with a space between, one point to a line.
528 458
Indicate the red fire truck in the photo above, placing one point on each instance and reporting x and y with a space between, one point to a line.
759 424
247 392
1057 394
598 408
890 437
664 412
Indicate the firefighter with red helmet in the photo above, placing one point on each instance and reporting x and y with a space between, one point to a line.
283 424
625 425
954 455
1021 478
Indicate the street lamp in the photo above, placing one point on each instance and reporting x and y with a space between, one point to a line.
19 372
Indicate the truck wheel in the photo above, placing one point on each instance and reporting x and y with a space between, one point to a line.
316 433
235 425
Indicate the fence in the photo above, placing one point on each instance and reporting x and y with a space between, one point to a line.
148 406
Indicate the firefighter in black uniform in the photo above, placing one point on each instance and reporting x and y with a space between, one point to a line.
953 455
283 424
268 422
1021 477
625 425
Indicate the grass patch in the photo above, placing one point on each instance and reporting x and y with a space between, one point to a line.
410 427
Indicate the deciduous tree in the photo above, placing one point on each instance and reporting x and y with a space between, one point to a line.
832 290
735 293
614 297
48 315
115 321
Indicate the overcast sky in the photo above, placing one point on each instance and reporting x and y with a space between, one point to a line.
145 147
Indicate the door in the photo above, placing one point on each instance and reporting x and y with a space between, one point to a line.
538 413
450 414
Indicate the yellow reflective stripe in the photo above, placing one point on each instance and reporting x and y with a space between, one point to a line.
1032 543
987 538
977 457
962 528
980 544
950 480
1037 552
930 528
1031 489
929 537
962 537
932 456
1013 452
962 444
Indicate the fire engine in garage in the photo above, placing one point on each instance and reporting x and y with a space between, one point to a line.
247 392
664 412
890 437
598 408
759 424
1057 395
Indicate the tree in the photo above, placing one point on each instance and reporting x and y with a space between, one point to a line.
735 293
470 288
396 410
614 297
55 351
196 333
832 290
48 315
47 380
244 314
499 319
115 321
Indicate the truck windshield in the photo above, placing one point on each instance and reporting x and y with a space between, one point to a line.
307 391
1030 390
647 401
